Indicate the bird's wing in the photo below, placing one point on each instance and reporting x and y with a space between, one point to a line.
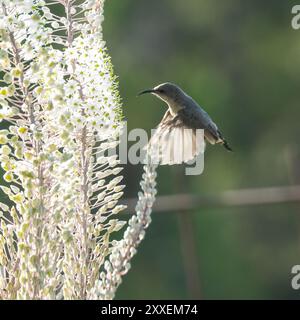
211 133
173 142
196 117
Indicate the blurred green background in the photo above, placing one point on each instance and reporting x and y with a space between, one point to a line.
241 61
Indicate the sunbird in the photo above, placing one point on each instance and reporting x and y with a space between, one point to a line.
176 135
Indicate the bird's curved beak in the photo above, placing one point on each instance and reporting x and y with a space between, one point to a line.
147 91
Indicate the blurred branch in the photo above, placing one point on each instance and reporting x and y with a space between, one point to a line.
188 244
243 197
190 255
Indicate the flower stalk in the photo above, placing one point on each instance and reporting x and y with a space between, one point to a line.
61 112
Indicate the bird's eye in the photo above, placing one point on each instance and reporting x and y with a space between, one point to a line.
161 90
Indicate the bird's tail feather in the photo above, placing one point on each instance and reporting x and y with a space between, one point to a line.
226 146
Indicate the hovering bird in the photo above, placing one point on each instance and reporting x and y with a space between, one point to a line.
176 136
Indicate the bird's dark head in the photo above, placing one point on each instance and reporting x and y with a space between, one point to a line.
167 92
